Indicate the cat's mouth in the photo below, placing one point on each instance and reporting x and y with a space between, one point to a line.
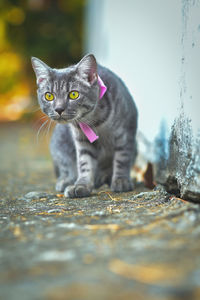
62 119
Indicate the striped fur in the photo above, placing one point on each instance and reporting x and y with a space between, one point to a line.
81 166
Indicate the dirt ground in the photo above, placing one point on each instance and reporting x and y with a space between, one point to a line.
139 245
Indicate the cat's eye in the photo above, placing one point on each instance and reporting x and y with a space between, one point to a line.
73 95
49 96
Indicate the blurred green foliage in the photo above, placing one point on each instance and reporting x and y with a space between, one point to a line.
48 29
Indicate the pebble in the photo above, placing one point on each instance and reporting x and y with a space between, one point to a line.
55 255
36 195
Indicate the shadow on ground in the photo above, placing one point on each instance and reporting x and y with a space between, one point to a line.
136 245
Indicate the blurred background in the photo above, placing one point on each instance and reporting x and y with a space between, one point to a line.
48 29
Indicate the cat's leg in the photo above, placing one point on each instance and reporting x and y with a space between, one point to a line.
64 157
86 165
103 176
65 175
124 157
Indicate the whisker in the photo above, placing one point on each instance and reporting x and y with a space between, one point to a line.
37 121
36 109
49 128
45 132
43 124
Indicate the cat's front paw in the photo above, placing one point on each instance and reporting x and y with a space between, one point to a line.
61 184
77 191
121 184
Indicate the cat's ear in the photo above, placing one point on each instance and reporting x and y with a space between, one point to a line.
41 70
87 68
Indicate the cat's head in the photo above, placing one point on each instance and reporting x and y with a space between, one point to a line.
67 94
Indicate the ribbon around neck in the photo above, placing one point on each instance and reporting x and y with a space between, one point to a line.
87 130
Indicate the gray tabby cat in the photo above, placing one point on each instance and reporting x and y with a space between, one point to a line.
70 96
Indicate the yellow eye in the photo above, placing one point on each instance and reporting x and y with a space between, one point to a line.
73 95
49 96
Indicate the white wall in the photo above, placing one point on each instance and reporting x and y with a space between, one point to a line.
141 41
190 81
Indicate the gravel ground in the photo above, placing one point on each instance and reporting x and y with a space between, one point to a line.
138 245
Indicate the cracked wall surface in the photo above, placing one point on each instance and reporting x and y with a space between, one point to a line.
180 171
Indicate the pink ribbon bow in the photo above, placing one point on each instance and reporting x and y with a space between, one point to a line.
87 130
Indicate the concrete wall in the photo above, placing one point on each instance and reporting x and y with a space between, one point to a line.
141 41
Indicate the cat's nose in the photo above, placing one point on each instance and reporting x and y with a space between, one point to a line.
59 110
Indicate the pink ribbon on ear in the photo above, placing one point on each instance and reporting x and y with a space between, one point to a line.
87 130
102 86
